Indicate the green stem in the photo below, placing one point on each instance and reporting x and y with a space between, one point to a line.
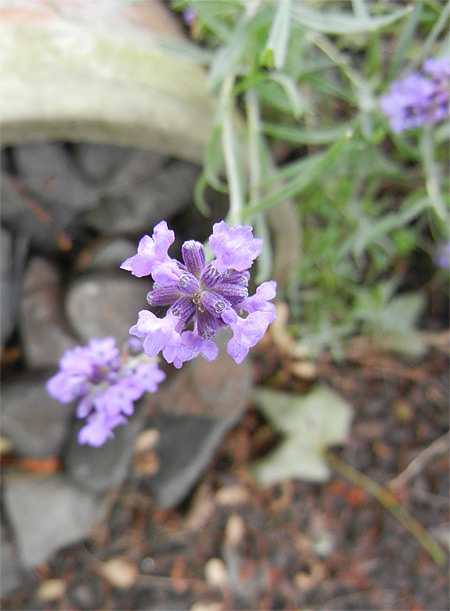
230 152
432 173
390 503
425 49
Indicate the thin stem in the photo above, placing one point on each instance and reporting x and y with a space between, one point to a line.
230 152
390 503
432 173
432 37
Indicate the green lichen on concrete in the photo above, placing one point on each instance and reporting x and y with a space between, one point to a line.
75 83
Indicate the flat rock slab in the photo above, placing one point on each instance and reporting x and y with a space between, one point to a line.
36 423
10 571
47 514
44 331
98 305
194 412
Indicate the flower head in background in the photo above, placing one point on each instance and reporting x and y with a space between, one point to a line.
442 256
420 98
105 383
201 296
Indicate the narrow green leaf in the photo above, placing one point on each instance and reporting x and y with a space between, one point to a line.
432 174
345 23
298 135
299 183
275 51
292 92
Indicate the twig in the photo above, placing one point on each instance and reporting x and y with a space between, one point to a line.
64 242
391 504
439 446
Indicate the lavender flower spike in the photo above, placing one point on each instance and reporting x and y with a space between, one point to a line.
203 298
106 384
420 98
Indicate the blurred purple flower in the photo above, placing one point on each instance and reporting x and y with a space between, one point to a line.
189 16
442 257
206 296
106 385
420 98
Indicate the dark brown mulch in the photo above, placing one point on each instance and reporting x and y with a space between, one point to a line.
292 546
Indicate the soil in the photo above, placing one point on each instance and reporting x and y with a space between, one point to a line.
235 545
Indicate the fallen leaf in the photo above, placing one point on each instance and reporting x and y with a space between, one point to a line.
311 423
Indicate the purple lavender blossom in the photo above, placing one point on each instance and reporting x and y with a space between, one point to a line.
442 257
420 98
106 385
189 16
203 296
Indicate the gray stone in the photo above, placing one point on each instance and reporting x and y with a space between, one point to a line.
144 197
98 469
99 162
10 573
47 514
8 287
98 305
42 223
44 331
36 423
106 255
194 413
48 172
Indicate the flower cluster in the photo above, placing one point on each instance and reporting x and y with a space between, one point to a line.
419 98
201 296
106 384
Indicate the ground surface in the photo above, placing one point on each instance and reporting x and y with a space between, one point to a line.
234 545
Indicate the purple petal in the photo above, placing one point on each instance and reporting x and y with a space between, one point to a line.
247 333
151 251
148 376
99 428
234 247
260 301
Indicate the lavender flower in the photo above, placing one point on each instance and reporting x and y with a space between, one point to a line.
105 383
205 296
442 256
420 98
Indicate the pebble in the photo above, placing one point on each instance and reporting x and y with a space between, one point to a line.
49 173
10 571
36 423
47 514
44 332
194 412
99 305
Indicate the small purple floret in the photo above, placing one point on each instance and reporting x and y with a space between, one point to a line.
106 385
202 298
420 98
